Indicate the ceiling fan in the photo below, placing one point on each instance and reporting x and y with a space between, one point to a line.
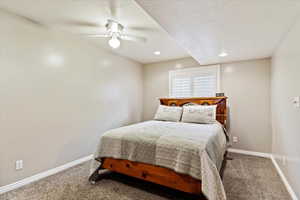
114 31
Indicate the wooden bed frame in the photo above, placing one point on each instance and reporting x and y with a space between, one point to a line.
161 175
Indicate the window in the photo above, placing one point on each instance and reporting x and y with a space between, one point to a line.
194 82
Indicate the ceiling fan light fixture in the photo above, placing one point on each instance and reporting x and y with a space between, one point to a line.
114 42
114 31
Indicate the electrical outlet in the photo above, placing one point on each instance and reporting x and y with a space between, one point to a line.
19 164
235 139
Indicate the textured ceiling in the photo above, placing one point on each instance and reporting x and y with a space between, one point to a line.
90 16
245 29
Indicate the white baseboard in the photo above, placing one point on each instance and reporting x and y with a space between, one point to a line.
41 175
251 153
284 179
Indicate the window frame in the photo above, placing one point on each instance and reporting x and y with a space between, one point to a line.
196 69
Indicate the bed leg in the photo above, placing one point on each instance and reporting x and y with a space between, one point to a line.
95 176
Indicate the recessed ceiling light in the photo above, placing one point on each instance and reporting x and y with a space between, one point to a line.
157 52
223 54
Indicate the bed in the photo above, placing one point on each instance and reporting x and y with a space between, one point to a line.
184 156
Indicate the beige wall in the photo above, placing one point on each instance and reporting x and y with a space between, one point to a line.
285 85
57 95
247 84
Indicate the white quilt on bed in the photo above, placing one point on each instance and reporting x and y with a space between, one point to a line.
193 149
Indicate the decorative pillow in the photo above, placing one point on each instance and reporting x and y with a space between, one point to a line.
168 113
199 114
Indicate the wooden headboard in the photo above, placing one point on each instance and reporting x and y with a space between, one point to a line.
219 101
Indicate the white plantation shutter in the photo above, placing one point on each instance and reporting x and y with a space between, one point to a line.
204 86
181 87
194 82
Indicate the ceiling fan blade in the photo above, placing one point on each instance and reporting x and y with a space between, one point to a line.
133 38
25 18
104 35
80 23
142 29
32 21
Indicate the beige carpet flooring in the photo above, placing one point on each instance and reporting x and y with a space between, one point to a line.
245 178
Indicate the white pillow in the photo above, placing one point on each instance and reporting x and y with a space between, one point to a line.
199 114
168 113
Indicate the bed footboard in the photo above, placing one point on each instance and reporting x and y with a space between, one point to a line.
155 174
